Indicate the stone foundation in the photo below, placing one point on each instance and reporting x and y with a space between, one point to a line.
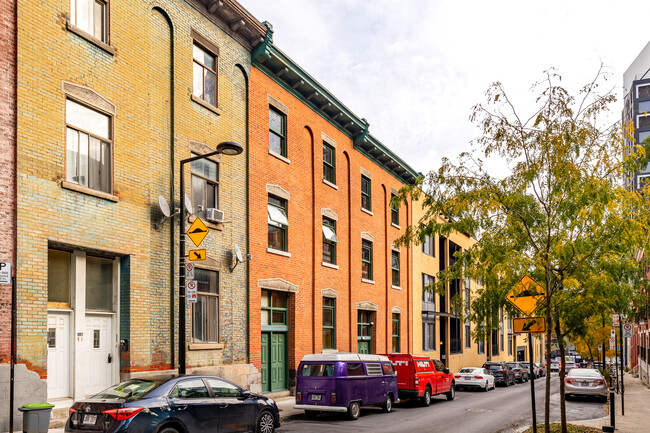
28 388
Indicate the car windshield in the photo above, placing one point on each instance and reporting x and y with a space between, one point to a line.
584 372
130 389
467 370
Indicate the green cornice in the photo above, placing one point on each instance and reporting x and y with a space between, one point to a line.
285 72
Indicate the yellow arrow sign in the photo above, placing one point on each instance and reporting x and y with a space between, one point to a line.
528 325
196 255
526 295
197 231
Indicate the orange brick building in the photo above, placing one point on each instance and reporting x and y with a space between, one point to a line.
324 273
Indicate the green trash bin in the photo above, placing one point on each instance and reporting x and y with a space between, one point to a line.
36 417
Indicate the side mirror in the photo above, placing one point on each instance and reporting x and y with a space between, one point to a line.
245 395
446 370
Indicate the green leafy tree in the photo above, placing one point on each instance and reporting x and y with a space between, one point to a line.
559 211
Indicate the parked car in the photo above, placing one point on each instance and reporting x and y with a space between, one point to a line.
568 366
474 377
419 376
521 374
555 366
174 404
343 382
526 367
585 382
501 372
540 368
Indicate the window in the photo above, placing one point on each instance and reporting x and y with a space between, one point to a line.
99 283
355 369
510 337
58 277
428 295
428 246
90 16
277 132
395 268
317 370
329 240
501 336
193 388
428 332
221 388
329 163
481 346
204 75
88 141
454 336
396 342
365 193
394 211
278 223
388 368
205 186
329 323
366 260
205 312
374 369
274 308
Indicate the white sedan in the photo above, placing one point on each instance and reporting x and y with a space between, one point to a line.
474 377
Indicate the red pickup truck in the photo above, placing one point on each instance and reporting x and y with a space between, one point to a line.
419 376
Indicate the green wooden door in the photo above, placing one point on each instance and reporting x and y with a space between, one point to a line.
364 331
266 385
278 361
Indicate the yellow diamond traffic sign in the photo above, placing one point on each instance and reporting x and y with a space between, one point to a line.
197 231
528 325
526 295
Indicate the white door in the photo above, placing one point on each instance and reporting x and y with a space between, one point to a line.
58 355
98 353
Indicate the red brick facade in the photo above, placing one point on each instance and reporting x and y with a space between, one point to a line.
300 174
7 162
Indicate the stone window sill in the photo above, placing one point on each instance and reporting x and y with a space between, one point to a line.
396 287
367 211
278 252
396 226
330 184
202 103
280 157
363 280
89 191
329 265
206 346
90 38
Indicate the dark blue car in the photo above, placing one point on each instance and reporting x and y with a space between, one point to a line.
174 404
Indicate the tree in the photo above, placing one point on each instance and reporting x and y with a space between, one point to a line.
560 211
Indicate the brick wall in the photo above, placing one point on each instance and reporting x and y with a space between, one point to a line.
7 162
136 78
302 178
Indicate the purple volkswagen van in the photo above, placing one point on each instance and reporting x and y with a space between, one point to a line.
343 382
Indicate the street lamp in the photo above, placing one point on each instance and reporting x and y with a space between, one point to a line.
227 148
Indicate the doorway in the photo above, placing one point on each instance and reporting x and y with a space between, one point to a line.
364 331
274 347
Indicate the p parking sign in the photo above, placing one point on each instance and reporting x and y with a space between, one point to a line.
5 272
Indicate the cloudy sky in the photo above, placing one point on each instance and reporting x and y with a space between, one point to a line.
414 68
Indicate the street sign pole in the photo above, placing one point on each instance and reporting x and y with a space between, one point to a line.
13 353
532 380
620 324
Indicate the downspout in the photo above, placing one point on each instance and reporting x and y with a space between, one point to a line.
350 319
388 279
313 241
248 241
172 230
409 298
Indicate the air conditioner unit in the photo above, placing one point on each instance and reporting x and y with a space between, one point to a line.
215 215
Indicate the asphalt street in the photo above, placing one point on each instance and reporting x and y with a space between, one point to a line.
503 410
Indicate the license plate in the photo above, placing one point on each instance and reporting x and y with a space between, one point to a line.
316 397
584 383
90 419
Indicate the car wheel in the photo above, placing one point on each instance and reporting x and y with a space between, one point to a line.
387 407
426 399
265 422
168 430
452 392
311 414
354 410
487 387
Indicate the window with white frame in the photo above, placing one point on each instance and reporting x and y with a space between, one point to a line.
205 186
205 312
89 147
91 17
395 268
278 223
204 74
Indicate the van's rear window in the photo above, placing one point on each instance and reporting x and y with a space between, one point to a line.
317 370
355 369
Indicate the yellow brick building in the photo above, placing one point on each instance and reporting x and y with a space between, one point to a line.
112 96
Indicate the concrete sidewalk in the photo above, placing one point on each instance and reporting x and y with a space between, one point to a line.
637 410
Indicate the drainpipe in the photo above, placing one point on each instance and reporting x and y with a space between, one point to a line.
350 309
172 229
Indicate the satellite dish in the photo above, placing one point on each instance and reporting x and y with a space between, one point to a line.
164 207
238 254
188 204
